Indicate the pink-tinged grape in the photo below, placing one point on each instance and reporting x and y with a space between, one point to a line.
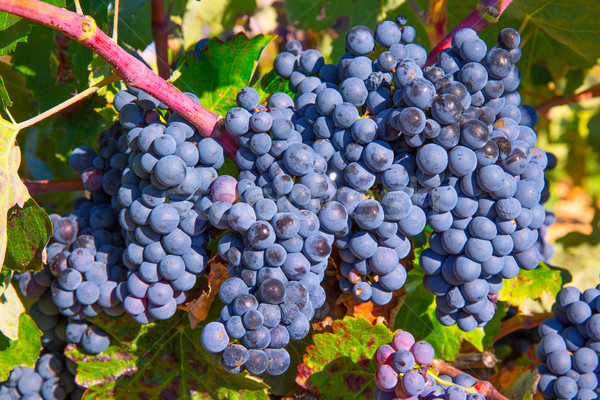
403 341
224 189
383 354
423 353
386 378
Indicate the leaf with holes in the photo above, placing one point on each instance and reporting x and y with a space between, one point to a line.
165 360
339 364
24 351
531 285
223 70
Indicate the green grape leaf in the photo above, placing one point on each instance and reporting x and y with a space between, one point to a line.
164 360
340 364
96 370
271 83
223 70
24 351
52 80
531 285
417 315
11 309
14 29
28 228
574 24
216 15
12 189
4 97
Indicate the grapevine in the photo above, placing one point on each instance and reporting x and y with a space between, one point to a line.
291 201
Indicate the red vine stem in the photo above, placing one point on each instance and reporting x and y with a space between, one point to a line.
483 15
83 29
594 91
484 388
43 187
161 37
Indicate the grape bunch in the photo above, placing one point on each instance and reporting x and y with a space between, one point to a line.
343 111
448 146
84 265
403 373
488 203
570 346
170 169
281 233
466 166
51 379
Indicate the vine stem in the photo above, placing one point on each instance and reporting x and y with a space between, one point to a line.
160 36
67 103
594 91
483 15
43 187
132 71
521 321
484 388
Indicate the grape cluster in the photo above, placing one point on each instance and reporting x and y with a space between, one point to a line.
488 202
51 379
449 146
169 169
281 234
570 346
84 265
403 373
347 112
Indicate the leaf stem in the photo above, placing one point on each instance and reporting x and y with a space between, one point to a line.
115 33
483 15
132 71
67 103
440 381
161 37
43 187
78 7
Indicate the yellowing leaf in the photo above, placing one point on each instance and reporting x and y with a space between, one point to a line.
531 285
10 310
12 190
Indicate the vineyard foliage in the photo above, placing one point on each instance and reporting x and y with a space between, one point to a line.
40 68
